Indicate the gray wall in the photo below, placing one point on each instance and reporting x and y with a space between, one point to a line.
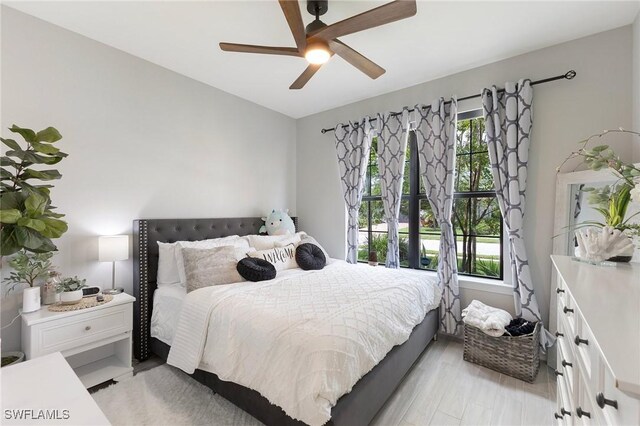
636 86
564 113
143 142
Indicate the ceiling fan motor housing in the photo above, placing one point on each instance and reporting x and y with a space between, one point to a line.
317 7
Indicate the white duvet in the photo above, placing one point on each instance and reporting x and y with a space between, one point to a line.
305 338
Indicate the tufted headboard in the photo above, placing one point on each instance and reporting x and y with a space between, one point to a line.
146 234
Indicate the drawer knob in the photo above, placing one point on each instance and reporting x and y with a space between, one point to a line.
565 412
87 328
580 412
578 340
558 334
567 310
559 290
559 373
566 364
602 401
557 416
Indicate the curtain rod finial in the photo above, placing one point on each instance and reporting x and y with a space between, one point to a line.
323 131
570 74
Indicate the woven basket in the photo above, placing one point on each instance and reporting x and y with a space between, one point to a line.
517 357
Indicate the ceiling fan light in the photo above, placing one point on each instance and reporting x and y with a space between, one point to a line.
317 53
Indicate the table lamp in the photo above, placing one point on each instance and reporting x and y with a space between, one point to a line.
112 249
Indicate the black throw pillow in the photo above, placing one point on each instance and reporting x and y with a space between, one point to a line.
256 269
310 257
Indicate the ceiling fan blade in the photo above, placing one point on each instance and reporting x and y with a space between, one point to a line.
268 50
390 12
291 10
356 59
305 76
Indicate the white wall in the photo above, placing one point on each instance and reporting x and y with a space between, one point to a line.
636 86
143 142
564 113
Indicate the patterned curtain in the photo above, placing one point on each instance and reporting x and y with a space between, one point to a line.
436 144
392 148
508 122
353 144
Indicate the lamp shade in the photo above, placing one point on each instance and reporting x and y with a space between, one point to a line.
113 248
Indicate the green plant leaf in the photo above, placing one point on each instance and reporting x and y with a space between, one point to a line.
11 144
10 215
35 204
49 134
8 243
5 174
7 162
11 200
51 174
28 134
45 148
54 228
35 224
31 239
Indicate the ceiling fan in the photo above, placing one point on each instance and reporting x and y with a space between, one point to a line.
319 41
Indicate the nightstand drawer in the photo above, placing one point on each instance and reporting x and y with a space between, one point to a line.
72 332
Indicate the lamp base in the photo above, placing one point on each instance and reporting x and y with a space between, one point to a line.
116 290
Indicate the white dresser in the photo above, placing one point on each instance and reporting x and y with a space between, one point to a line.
598 349
96 341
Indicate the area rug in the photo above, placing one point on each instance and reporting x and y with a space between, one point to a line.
165 395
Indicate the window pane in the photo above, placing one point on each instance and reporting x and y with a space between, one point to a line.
379 245
375 179
482 169
477 224
406 180
429 237
363 246
403 219
378 223
463 176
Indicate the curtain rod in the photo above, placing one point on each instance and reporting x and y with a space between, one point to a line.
566 76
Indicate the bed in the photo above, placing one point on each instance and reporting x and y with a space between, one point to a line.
358 407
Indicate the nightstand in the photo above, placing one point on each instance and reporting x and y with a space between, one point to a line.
96 341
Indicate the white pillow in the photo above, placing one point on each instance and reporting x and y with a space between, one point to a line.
232 240
309 239
167 266
265 242
280 257
292 239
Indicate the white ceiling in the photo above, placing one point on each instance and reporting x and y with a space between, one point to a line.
443 38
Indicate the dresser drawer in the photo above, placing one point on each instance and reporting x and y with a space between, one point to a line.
567 312
566 366
586 350
585 412
75 331
564 409
616 407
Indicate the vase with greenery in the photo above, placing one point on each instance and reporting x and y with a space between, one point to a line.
27 218
28 269
70 290
611 201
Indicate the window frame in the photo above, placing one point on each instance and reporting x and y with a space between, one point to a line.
414 197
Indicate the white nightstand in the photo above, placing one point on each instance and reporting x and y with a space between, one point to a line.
96 342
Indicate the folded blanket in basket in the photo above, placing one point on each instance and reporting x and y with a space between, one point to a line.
491 321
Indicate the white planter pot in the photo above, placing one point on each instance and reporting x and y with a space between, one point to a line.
70 297
18 355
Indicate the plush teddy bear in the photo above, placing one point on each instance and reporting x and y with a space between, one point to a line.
278 223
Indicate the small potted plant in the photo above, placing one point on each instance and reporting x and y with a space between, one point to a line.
10 358
70 290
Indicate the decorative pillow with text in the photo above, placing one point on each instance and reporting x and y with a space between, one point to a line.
280 257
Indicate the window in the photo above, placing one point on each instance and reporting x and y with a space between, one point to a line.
476 217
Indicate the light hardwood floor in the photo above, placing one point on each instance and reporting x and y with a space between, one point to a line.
443 389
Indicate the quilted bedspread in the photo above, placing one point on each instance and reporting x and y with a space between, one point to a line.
305 338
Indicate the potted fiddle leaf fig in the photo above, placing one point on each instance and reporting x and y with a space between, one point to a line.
27 218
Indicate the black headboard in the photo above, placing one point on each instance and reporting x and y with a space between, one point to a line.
146 234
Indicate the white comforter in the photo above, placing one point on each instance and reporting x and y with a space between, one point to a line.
305 338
